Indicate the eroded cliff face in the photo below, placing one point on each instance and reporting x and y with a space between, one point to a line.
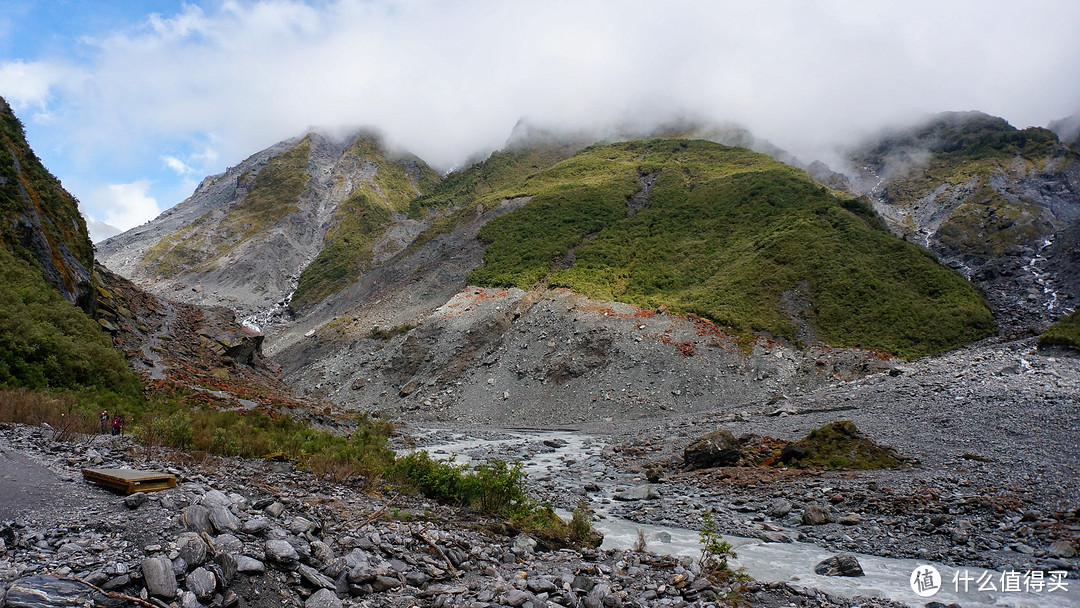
244 237
39 220
988 199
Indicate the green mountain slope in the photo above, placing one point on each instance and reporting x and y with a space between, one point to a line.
359 220
39 220
732 236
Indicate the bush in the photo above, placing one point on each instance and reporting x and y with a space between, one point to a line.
494 488
715 552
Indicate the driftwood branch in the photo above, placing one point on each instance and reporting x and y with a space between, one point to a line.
437 548
109 594
380 512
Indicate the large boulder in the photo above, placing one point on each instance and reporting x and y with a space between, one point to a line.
717 449
159 577
841 564
43 591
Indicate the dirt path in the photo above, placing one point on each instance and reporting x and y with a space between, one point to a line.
29 487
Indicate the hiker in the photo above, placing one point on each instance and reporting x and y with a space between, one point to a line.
117 425
104 421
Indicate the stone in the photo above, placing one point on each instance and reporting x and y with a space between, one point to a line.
778 508
717 449
158 577
850 519
1063 549
322 552
226 563
202 583
770 536
842 564
136 500
643 492
196 519
323 598
274 510
255 525
249 565
192 549
282 554
229 543
792 452
43 591
815 515
315 578
188 600
516 597
223 519
215 498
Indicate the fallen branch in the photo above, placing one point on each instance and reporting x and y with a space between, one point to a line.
109 594
438 549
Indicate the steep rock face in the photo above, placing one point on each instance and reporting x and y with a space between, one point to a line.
987 199
39 220
244 237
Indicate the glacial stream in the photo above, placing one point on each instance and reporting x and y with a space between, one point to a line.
793 562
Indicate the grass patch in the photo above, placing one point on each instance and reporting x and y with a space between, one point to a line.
726 232
839 445
1066 332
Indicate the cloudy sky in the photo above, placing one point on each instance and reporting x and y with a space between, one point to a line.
132 102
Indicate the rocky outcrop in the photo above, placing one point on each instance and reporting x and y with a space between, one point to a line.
717 449
39 220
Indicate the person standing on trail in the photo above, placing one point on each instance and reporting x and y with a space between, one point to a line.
104 421
117 425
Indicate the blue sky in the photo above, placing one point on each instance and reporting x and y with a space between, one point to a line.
132 103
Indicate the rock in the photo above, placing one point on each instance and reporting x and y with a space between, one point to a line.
274 509
850 519
227 543
842 564
192 549
792 452
282 554
717 449
643 492
196 519
322 552
1063 549
188 600
202 583
255 525
136 500
300 525
249 565
516 597
815 515
323 598
43 591
223 519
158 577
226 563
778 508
315 578
774 537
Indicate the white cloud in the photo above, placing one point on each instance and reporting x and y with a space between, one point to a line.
28 85
177 165
126 205
446 79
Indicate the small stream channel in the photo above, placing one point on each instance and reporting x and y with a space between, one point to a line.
545 456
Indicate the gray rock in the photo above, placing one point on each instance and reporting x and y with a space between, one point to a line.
274 510
323 598
842 564
223 519
282 554
188 600
322 552
42 591
770 536
136 500
158 577
196 519
215 498
516 597
1063 549
192 549
255 525
300 525
229 543
643 492
202 583
226 563
792 452
816 515
717 449
778 508
249 565
315 578
850 519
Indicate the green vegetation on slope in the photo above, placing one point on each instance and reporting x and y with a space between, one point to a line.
273 195
47 342
30 194
967 149
360 220
725 234
1066 332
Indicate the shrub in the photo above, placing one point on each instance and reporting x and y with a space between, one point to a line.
715 551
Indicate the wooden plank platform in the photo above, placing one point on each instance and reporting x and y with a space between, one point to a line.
130 481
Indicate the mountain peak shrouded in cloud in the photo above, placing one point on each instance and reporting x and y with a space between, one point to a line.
203 84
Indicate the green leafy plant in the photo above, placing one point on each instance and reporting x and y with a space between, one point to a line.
715 551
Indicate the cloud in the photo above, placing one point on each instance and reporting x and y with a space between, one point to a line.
177 165
28 85
126 205
448 79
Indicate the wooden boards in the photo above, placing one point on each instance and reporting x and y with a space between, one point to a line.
130 481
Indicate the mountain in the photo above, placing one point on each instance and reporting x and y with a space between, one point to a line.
998 203
246 235
100 231
40 222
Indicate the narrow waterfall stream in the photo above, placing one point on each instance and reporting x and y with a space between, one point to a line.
793 562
